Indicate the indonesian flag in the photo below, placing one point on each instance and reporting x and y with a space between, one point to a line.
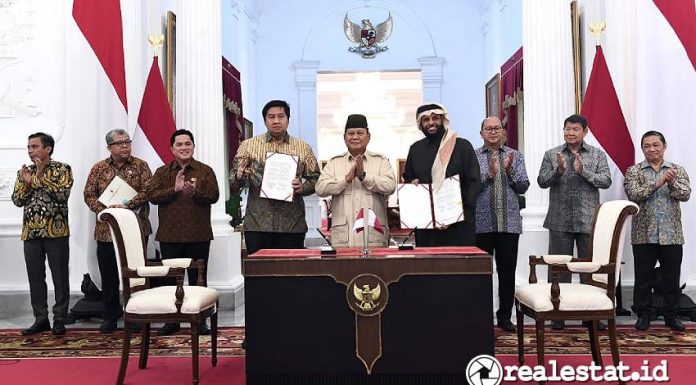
100 22
372 221
604 116
155 120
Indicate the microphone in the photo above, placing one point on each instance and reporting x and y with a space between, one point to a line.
327 250
404 245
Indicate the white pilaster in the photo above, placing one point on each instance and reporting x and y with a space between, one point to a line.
305 127
548 99
199 109
431 71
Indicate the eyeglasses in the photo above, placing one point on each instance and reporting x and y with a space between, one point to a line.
491 130
121 143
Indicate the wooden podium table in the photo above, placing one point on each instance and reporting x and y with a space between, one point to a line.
398 317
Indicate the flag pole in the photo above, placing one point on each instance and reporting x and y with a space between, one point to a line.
366 223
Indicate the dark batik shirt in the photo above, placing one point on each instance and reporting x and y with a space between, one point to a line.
573 197
659 218
133 171
181 218
270 215
498 208
45 201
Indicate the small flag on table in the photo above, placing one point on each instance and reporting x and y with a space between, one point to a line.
372 221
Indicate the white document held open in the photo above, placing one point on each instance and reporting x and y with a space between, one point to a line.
414 206
118 192
447 203
278 173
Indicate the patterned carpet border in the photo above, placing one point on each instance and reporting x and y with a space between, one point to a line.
91 343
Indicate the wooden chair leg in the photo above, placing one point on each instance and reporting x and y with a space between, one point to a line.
194 350
144 345
213 335
124 354
594 343
540 344
520 334
613 342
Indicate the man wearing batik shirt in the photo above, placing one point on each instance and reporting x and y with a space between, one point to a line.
574 172
270 223
43 189
137 174
438 156
184 191
498 220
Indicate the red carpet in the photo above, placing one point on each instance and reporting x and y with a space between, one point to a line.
103 371
230 370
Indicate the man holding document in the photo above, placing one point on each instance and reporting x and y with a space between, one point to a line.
120 180
355 180
446 169
279 170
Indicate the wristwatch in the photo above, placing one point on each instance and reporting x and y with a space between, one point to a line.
361 176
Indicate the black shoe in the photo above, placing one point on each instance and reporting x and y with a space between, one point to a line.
203 329
601 326
168 329
37 327
58 328
643 323
506 325
108 326
136 328
244 345
675 324
558 324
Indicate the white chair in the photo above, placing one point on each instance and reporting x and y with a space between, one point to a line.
143 304
593 300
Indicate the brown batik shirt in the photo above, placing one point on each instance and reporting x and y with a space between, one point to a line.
183 218
269 215
133 171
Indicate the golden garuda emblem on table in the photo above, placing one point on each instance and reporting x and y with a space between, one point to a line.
367 37
368 297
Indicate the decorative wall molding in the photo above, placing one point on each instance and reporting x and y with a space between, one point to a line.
7 179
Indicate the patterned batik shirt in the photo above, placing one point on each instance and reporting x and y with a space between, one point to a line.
45 201
133 171
659 218
497 207
573 197
269 215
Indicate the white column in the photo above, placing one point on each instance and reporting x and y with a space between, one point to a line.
199 109
431 71
304 126
548 100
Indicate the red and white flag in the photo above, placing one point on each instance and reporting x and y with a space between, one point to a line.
100 22
372 221
155 119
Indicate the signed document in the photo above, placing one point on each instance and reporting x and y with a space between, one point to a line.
118 192
278 173
422 208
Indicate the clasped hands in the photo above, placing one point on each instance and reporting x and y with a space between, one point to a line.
563 166
188 187
355 171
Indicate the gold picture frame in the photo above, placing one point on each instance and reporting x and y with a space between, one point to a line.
493 96
171 60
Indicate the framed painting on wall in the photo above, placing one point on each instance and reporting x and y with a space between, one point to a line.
171 59
493 96
248 129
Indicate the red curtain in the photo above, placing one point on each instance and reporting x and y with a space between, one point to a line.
511 88
232 98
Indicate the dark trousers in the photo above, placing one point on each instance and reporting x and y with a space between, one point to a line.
645 256
456 234
57 250
561 243
193 250
503 246
257 240
108 268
